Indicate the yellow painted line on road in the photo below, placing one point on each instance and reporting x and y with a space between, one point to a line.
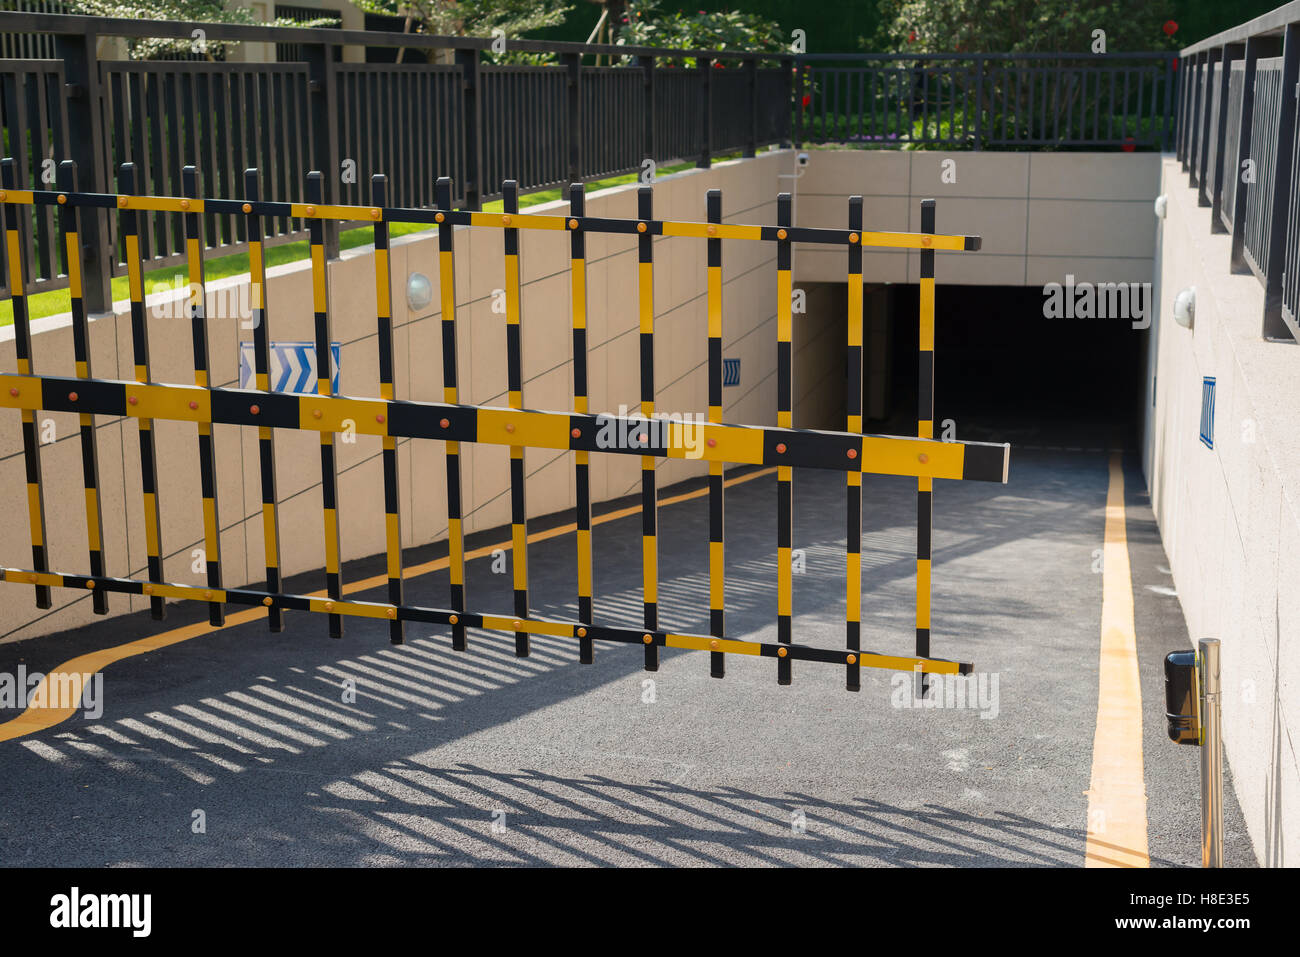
1117 799
44 718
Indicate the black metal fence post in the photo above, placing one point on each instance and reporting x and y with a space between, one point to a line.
85 117
573 65
787 71
1230 54
648 87
979 103
1214 61
1237 258
1194 133
799 104
324 100
472 87
751 75
705 68
1274 326
1171 89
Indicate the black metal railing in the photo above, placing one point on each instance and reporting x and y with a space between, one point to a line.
983 101
1237 143
467 118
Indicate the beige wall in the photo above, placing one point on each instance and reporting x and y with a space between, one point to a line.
749 327
1041 215
1230 516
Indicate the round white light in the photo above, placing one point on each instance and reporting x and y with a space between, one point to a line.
1185 307
419 291
1162 206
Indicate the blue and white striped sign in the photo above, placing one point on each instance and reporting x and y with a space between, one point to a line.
730 372
293 367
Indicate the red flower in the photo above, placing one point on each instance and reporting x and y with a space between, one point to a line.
911 37
1175 63
1129 144
806 99
1170 27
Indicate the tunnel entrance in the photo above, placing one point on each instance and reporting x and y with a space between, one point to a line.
1004 372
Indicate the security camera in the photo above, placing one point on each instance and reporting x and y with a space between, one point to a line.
802 159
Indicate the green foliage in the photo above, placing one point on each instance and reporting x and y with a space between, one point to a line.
190 11
648 26
475 18
1020 26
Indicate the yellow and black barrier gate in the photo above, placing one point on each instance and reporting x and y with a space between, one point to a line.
454 423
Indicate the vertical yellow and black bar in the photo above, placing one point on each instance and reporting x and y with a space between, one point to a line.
324 386
515 385
202 364
784 419
853 530
140 350
649 496
70 226
450 393
582 460
262 380
717 601
383 300
14 248
925 430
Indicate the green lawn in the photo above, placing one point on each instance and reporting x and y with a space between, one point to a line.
58 301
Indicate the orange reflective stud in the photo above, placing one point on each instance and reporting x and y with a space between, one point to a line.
254 409
505 220
374 214
640 227
780 448
647 639
315 413
121 202
392 613
267 601
438 217
923 458
193 404
852 659
380 418
853 237
852 453
781 652
781 234
713 230
311 210
63 198
576 433
329 606
90 584
573 224
185 204
14 392
445 423
713 643
582 632
72 397
510 426
132 400
455 619
247 207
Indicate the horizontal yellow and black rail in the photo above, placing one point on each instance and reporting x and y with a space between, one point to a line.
454 217
487 622
628 435
649 435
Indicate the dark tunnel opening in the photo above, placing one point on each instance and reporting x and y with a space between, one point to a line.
1006 372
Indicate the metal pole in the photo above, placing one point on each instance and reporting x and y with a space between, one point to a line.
1211 756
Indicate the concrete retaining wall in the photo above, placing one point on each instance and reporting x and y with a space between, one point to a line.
749 189
1229 515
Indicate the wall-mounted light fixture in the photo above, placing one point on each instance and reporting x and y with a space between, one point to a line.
419 291
1161 206
1185 307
